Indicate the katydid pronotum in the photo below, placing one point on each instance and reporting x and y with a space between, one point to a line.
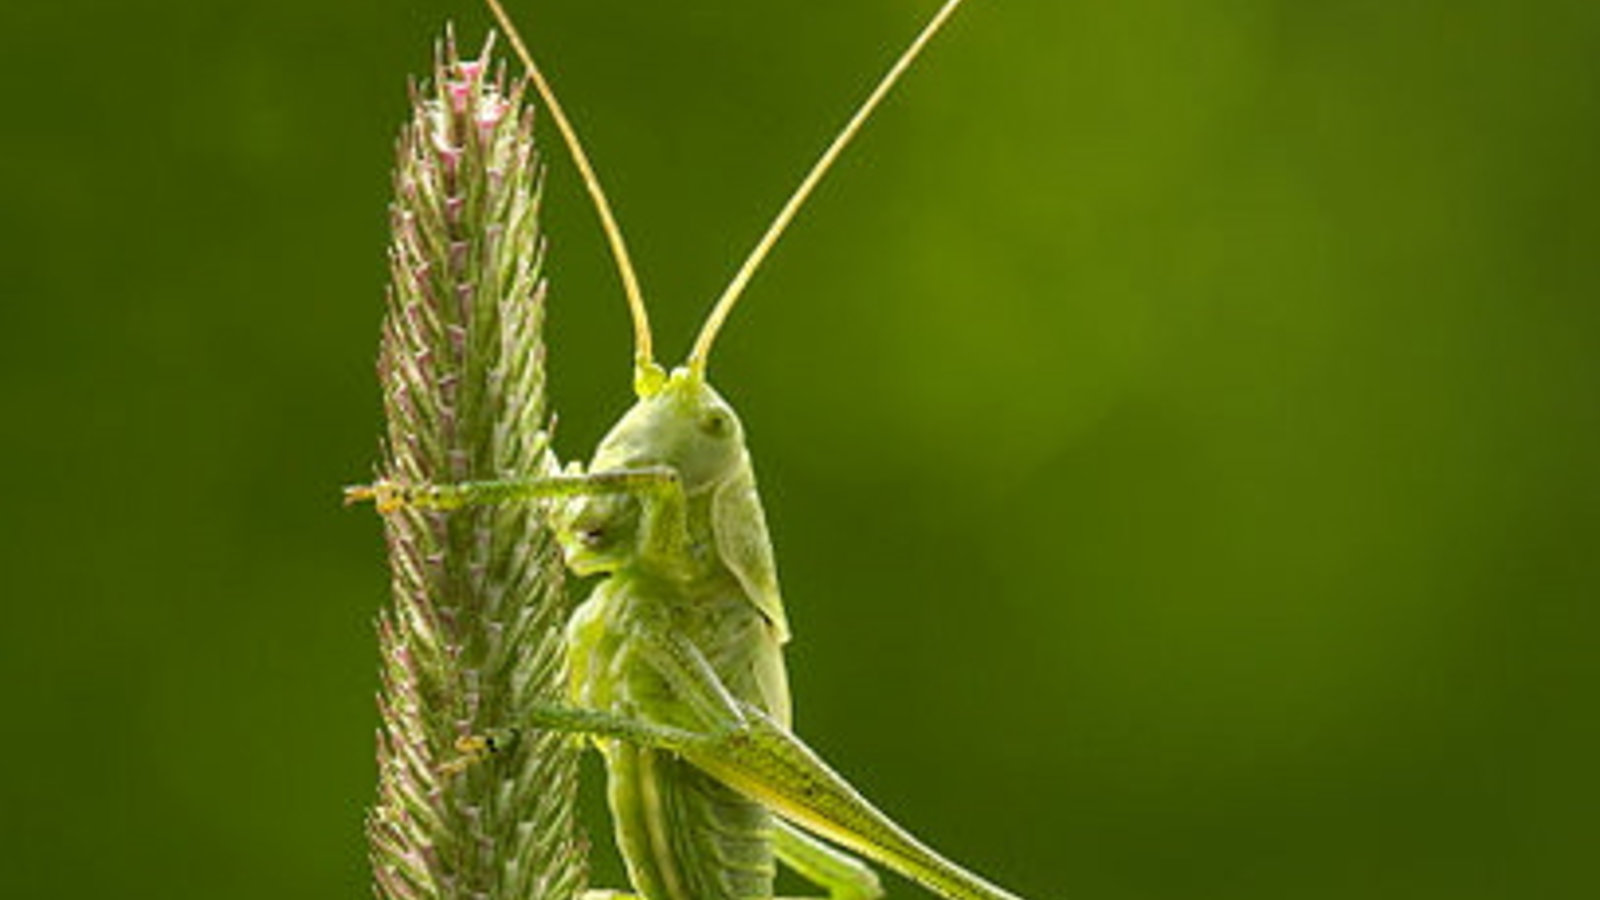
676 662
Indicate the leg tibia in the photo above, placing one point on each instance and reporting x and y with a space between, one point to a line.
389 496
572 720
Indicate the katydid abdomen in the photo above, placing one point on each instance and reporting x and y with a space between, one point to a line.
683 834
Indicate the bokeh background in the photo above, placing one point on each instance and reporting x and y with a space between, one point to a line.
1178 421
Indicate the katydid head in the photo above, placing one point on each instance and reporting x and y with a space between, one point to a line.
681 423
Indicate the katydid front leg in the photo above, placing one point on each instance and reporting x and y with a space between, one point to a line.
657 490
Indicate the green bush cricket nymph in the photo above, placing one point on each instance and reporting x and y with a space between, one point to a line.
675 659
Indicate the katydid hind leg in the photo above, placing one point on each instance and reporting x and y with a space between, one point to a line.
767 763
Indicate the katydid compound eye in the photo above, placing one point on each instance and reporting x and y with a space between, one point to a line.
715 424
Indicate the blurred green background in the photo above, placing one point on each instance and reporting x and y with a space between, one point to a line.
1178 422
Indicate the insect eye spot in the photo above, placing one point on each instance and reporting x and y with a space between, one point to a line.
592 537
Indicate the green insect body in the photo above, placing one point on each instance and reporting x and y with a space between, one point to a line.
686 631
676 658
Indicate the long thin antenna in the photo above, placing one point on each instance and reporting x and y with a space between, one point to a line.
730 294
643 351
